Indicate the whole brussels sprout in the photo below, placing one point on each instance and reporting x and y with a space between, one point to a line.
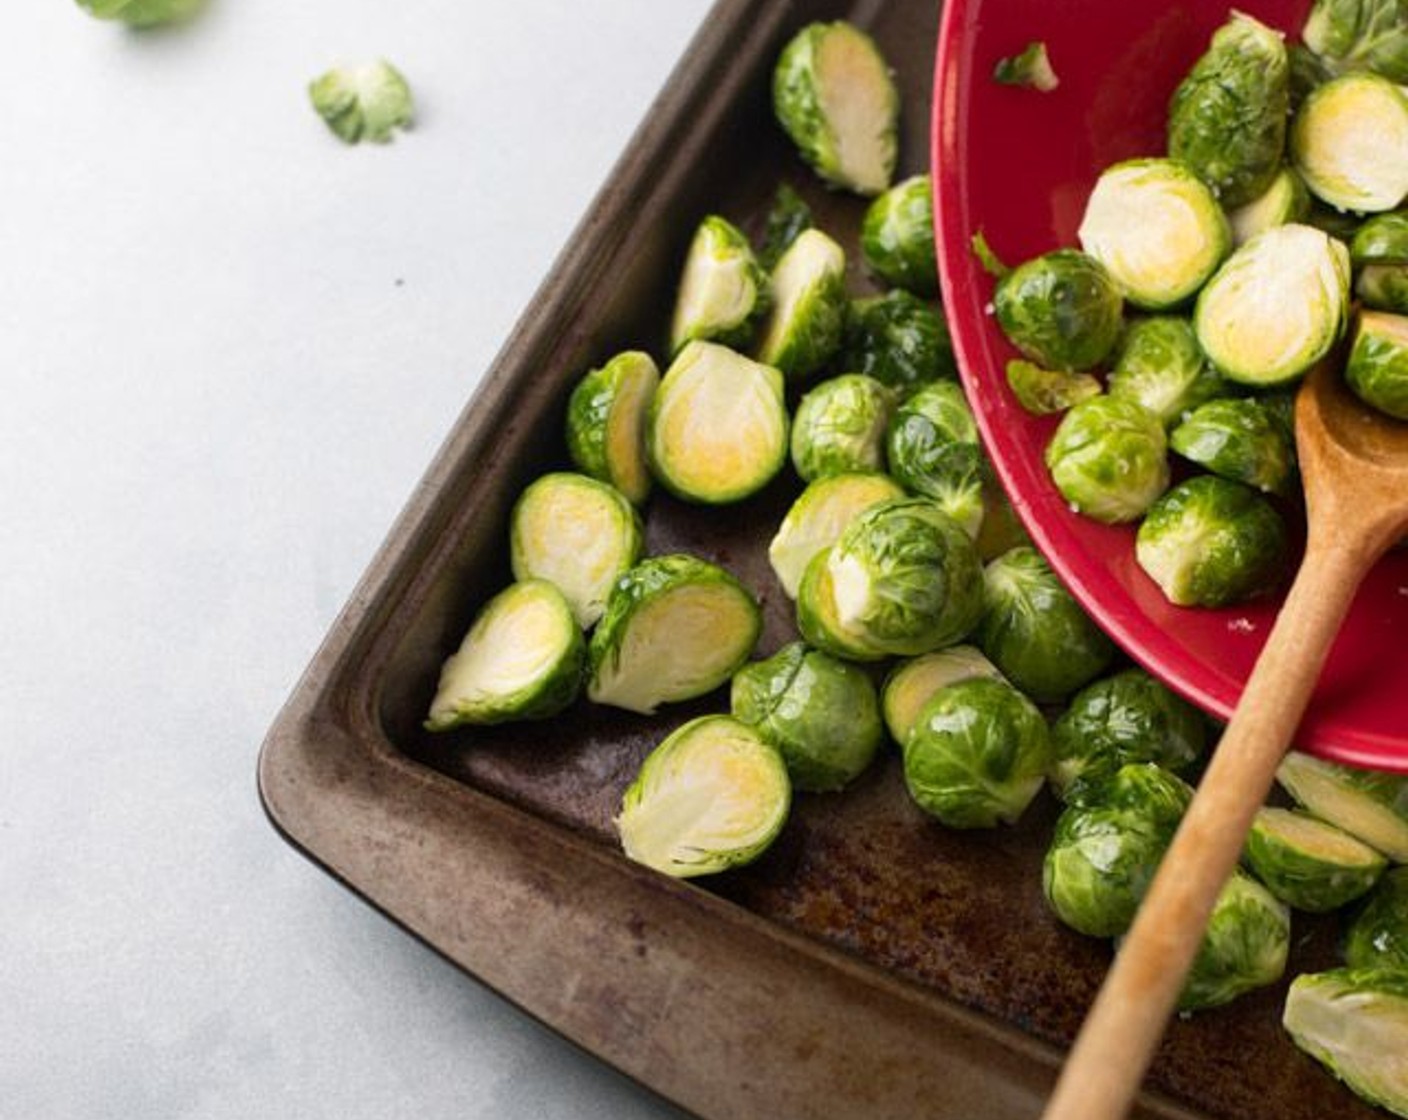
1379 254
1238 438
1360 35
1285 200
818 516
1368 804
899 340
1148 791
1109 458
1377 369
1309 863
897 237
914 681
839 427
807 296
1378 934
933 449
1244 947
976 755
723 290
1063 310
607 416
1347 143
1159 364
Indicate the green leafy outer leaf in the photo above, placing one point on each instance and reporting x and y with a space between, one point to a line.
363 102
142 13
1360 35
1237 438
933 449
1378 934
1109 458
1244 947
1063 310
839 427
1377 369
606 421
897 237
1031 68
899 340
1308 863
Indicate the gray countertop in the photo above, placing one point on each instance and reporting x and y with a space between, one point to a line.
230 346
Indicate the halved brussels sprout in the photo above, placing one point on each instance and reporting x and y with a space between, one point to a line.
521 659
606 421
808 297
1227 118
817 518
788 216
933 449
1159 364
675 628
1378 934
1238 438
579 535
1309 863
834 96
818 618
1377 369
1034 630
1156 228
1286 200
1368 804
899 340
1348 140
897 237
1063 310
1032 68
1244 947
1379 253
717 428
1109 458
723 289
913 682
976 755
839 427
820 712
713 795
1043 391
1360 35
1276 306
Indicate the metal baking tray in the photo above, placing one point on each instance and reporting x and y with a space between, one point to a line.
873 963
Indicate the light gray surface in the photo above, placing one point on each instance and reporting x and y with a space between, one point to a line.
230 346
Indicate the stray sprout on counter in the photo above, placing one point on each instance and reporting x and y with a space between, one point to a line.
369 101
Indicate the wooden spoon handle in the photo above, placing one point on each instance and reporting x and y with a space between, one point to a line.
1127 1019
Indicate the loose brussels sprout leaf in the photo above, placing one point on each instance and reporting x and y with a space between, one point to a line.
1210 541
808 298
366 102
1227 119
1109 458
839 427
905 578
712 796
913 682
606 421
897 237
834 96
675 628
1377 369
817 517
820 712
1030 68
1286 200
976 755
991 262
522 659
818 619
1063 310
723 291
1160 365
142 13
1245 946
1044 391
933 449
717 426
1308 863
899 340
1378 935
788 216
1360 35
579 535
1035 631
1237 438
1276 306
1157 228
1379 253
1368 804
1128 717
1354 1022
1347 143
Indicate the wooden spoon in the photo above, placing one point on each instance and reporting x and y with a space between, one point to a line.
1354 464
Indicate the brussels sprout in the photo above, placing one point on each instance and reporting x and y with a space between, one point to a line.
1062 310
897 237
839 427
1368 804
899 340
821 713
1308 863
717 427
933 449
142 13
905 578
1109 458
808 297
1210 541
713 795
521 659
1238 438
913 682
1227 118
1354 1022
1379 251
579 535
1044 391
1360 35
976 754
1276 306
675 628
1160 365
366 102
1347 143
723 290
606 421
1377 369
1031 68
817 517
1285 201
1156 228
833 95
1378 935
788 216
1035 631
818 617
1244 947
1128 717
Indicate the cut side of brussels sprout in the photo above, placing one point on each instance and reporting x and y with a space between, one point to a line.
1109 458
606 422
819 621
808 299
933 449
1044 391
1245 946
711 796
1286 200
818 517
839 427
1031 68
1378 935
717 429
897 237
675 628
1348 142
1238 438
912 683
1377 369
899 340
1368 804
723 291
363 102
1360 35
1308 863
1063 310
522 659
